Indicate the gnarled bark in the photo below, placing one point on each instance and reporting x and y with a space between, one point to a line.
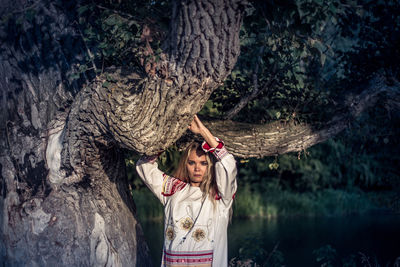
65 199
64 194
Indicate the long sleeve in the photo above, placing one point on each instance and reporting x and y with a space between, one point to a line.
151 176
225 172
161 184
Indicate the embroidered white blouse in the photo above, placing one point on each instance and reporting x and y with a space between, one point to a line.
195 232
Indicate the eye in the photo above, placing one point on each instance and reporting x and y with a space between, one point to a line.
204 163
190 162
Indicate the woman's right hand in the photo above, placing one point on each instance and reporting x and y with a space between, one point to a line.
197 127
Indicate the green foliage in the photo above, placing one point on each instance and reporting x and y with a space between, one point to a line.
111 37
169 159
325 255
148 207
364 156
114 33
273 203
251 203
167 162
350 174
305 53
253 253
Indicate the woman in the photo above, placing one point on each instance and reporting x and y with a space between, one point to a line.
196 201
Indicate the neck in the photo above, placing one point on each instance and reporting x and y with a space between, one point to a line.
195 184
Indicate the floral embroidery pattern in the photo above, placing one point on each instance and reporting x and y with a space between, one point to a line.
199 234
186 223
170 233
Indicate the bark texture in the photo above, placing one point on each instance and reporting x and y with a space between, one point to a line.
248 140
64 194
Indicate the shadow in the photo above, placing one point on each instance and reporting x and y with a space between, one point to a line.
41 51
112 161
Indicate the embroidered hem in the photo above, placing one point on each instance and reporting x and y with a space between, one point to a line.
187 258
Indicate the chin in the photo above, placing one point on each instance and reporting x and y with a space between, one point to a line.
197 179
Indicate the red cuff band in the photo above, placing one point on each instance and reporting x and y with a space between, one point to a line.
207 148
219 152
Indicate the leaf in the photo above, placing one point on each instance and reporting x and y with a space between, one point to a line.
111 21
82 9
82 68
75 76
323 58
106 84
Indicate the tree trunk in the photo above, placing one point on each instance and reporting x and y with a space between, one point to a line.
64 192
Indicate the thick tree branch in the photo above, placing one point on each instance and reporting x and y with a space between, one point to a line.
249 140
148 114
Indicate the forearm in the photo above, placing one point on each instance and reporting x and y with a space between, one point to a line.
208 137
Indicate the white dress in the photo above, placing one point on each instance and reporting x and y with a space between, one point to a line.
195 231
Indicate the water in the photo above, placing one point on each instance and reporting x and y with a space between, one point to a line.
376 235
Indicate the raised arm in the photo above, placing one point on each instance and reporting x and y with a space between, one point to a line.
225 167
148 171
197 127
161 184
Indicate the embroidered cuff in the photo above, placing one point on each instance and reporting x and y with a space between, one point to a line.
219 152
171 185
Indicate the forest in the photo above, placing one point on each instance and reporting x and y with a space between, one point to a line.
304 93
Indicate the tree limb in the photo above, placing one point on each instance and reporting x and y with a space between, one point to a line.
251 140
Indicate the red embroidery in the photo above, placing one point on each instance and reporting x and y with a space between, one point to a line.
188 257
219 152
207 148
171 185
218 197
188 253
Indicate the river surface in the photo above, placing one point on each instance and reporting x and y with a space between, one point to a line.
376 235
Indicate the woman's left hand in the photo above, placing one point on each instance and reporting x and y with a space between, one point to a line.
197 127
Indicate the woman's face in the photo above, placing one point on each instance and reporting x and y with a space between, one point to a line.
196 167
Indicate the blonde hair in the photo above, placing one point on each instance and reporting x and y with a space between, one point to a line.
208 186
